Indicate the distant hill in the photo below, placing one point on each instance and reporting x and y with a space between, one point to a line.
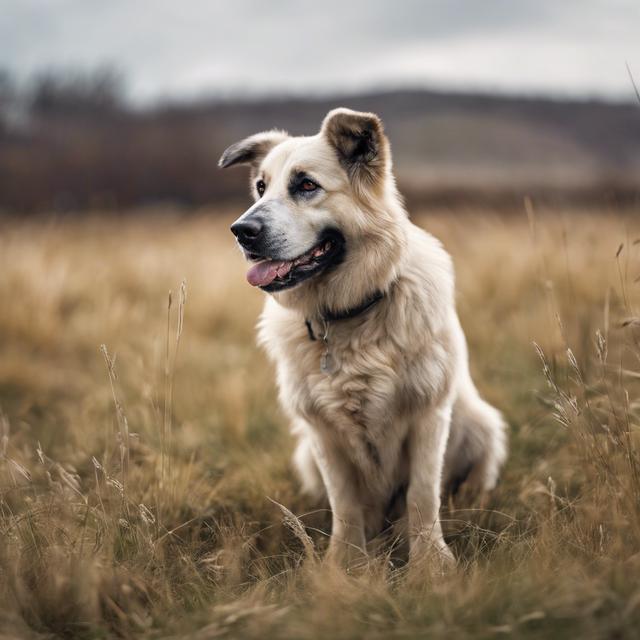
448 149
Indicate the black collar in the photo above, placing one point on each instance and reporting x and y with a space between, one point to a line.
329 316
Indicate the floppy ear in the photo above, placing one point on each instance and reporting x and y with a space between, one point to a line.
251 150
362 147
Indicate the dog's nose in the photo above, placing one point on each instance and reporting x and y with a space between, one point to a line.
247 231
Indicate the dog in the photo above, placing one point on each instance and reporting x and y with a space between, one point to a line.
371 360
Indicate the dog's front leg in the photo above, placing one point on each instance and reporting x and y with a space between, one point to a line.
347 544
428 442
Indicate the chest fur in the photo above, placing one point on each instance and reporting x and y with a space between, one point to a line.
360 387
366 405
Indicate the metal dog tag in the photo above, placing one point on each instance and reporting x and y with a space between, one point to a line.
327 363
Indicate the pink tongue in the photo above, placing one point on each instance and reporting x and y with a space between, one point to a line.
265 272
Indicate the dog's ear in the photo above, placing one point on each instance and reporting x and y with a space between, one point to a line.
360 142
251 150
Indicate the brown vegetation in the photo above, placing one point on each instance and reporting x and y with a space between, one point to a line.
141 482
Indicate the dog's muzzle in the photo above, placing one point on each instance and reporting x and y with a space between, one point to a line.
249 232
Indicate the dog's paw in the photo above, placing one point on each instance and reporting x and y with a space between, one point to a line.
430 557
346 556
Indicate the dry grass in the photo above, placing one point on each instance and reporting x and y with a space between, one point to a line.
138 480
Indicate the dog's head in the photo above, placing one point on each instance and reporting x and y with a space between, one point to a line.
319 200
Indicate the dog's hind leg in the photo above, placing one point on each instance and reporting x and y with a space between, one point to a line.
477 445
305 463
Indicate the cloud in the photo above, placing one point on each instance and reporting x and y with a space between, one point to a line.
200 46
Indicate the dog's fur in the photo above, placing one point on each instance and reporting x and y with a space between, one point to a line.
399 415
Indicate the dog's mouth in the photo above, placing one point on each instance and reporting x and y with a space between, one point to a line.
275 275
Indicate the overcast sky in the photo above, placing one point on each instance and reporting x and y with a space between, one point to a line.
181 48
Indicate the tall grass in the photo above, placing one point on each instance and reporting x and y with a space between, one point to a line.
145 483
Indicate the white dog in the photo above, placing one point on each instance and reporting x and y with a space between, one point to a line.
361 323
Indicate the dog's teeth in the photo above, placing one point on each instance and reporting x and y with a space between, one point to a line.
312 254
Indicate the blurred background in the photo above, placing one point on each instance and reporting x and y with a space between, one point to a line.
105 106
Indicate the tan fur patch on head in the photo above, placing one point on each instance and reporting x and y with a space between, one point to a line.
361 145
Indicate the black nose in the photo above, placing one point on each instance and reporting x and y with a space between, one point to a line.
247 231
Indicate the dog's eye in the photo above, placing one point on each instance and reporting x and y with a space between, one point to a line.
308 185
260 187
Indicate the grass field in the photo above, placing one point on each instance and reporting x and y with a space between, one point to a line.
141 480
